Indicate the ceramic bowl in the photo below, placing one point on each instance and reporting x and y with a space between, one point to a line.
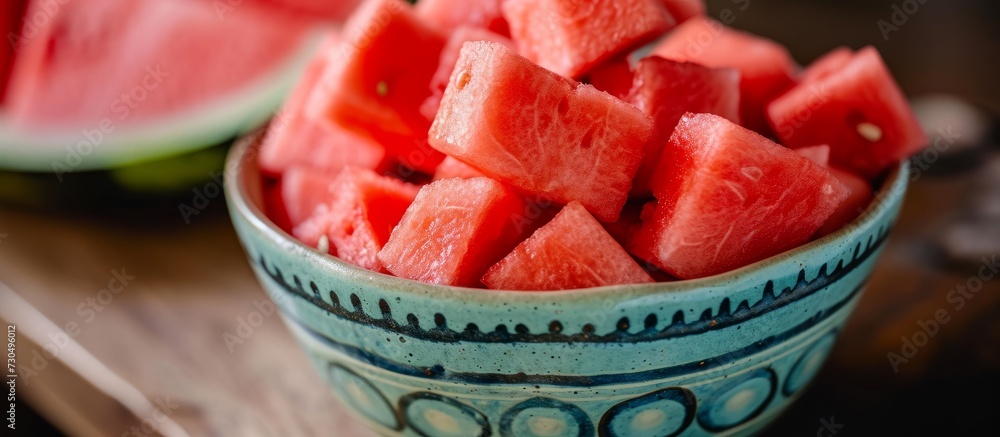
722 355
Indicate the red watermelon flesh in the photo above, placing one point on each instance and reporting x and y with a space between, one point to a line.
294 139
570 37
613 76
858 110
373 85
766 68
357 221
540 132
332 10
572 251
273 205
827 64
454 231
453 168
665 90
728 197
453 14
302 190
10 28
818 154
683 10
97 60
851 208
449 57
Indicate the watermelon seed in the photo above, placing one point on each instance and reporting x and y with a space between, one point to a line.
324 244
463 80
382 88
870 132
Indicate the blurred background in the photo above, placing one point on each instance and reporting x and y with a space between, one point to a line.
156 221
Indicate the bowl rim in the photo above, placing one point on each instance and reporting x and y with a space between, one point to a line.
240 158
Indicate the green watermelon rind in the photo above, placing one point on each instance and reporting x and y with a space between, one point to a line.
209 124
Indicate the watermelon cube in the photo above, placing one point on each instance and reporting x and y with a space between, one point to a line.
294 139
818 154
665 90
572 251
359 217
539 132
449 57
10 26
454 231
453 168
851 208
613 76
858 110
302 190
379 77
683 10
728 197
273 205
766 68
451 15
570 37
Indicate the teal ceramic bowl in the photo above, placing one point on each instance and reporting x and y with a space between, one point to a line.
722 355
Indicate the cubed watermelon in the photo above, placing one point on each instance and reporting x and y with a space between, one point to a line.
683 10
818 154
449 57
540 132
851 208
379 76
572 251
613 76
294 139
453 14
273 205
766 68
302 190
665 90
10 27
453 168
728 197
454 231
858 110
361 211
571 36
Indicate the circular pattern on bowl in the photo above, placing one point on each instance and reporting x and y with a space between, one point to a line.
361 396
545 417
809 363
663 413
434 415
739 401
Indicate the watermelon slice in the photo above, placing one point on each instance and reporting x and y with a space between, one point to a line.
728 197
294 139
373 86
451 15
10 28
858 110
613 76
665 90
449 57
537 131
766 68
364 209
128 62
851 208
454 231
331 10
302 190
570 37
683 10
453 168
818 154
572 251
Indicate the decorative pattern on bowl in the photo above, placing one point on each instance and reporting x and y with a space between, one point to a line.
722 355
